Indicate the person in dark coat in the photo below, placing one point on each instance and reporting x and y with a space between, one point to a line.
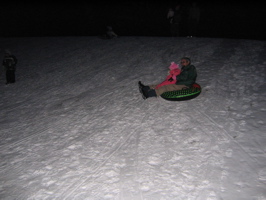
177 21
175 18
9 64
184 80
193 20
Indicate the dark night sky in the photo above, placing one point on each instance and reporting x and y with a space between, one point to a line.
245 20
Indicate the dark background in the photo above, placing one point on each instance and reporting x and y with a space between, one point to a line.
222 19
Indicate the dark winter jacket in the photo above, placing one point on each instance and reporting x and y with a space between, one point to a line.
187 76
10 62
177 17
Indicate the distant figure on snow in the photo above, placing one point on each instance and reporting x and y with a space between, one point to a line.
170 15
110 33
193 19
174 17
184 80
9 64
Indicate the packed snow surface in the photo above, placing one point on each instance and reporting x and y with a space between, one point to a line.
74 125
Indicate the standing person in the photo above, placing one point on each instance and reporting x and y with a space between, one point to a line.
176 21
193 19
174 16
170 18
184 80
9 64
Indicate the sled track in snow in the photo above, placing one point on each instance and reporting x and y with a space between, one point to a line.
70 190
34 134
97 166
40 132
68 193
234 56
221 130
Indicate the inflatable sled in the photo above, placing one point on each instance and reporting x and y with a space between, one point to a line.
182 95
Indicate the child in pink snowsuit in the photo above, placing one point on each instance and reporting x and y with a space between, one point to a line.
171 78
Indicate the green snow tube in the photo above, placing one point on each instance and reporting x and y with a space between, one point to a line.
182 95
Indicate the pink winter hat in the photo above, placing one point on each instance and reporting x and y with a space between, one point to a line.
173 66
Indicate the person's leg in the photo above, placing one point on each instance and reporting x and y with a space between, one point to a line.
147 91
144 90
12 76
167 88
150 91
8 76
144 87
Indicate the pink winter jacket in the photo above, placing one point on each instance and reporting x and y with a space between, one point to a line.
174 71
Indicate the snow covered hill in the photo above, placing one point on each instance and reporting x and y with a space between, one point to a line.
74 125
